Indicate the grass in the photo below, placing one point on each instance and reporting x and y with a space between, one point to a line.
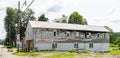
113 51
27 53
67 55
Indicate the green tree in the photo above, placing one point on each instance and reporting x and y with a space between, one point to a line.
63 19
76 18
42 18
26 16
11 20
117 41
112 34
9 24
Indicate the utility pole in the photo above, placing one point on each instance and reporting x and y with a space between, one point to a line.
18 34
19 21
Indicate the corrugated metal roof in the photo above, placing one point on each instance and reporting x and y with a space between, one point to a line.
40 24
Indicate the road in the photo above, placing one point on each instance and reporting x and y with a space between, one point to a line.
5 54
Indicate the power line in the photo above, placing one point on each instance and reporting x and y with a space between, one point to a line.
29 5
24 4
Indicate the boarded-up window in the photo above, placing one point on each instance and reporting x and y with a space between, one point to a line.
90 45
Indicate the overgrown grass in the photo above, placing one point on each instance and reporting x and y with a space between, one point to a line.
113 50
67 55
27 53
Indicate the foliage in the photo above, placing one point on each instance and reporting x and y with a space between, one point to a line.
117 41
9 22
113 45
76 18
71 51
112 34
26 16
63 19
62 56
27 53
85 51
42 18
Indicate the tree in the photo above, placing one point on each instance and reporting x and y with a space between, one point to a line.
76 18
112 34
117 41
42 18
9 22
63 19
26 16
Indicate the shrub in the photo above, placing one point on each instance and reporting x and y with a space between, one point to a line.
85 51
71 51
9 47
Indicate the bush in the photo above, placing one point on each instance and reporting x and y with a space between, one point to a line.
113 45
85 51
71 51
9 47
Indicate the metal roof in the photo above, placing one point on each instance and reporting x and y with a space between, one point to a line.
40 24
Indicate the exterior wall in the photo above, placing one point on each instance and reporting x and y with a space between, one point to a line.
63 39
44 46
49 34
29 33
70 46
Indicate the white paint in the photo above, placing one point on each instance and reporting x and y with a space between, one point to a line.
44 46
70 46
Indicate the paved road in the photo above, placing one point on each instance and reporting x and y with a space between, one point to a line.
5 54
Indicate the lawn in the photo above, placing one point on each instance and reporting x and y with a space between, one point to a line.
66 55
27 53
60 54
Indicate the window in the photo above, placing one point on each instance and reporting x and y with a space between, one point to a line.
54 45
67 33
54 34
98 35
104 36
90 45
76 45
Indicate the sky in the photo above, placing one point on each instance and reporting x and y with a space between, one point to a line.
96 12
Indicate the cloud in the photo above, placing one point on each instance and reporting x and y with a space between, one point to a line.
116 21
54 8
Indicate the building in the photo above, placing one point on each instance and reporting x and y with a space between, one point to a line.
61 36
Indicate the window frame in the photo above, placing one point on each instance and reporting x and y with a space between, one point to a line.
91 45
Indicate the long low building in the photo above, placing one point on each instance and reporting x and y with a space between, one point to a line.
62 36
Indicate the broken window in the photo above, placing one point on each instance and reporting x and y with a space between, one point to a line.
54 34
104 36
67 33
98 35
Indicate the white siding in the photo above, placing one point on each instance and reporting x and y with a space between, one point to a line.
70 46
44 46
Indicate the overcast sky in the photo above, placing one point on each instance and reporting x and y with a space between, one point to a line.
97 12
